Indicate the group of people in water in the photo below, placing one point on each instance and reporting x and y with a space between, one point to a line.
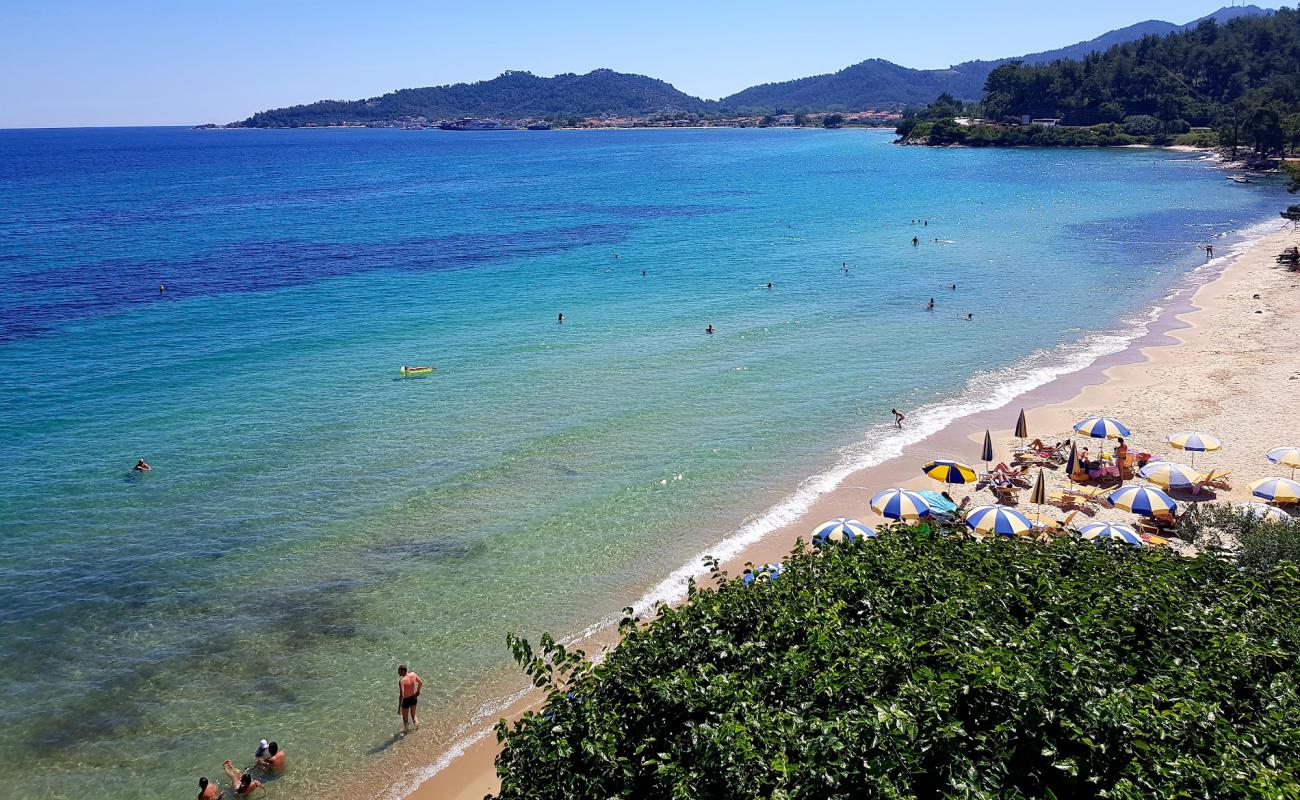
269 759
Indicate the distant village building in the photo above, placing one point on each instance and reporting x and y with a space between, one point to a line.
784 120
1047 122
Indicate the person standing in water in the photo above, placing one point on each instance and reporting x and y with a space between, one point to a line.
915 241
561 318
208 790
709 329
408 696
930 307
898 417
845 268
142 466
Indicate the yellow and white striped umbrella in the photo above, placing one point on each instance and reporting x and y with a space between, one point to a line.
1170 475
1285 456
950 471
1142 500
900 504
1276 490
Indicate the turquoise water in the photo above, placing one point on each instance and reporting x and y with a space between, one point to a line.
313 519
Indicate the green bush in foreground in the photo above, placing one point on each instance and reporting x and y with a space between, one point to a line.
925 665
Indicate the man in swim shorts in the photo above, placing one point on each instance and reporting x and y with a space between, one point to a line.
273 760
408 695
208 791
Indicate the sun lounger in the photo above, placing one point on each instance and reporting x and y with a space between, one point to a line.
1006 495
1212 480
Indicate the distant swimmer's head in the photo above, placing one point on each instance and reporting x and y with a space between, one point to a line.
401 670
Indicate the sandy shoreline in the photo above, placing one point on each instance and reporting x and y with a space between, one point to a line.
1219 362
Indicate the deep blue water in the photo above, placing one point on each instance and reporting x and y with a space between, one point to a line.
312 518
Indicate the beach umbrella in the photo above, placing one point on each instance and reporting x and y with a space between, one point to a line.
1142 500
1286 456
1194 443
841 529
1276 490
986 452
1071 462
1261 511
1104 532
1000 520
1039 495
1101 428
1170 475
900 504
1022 427
950 471
767 572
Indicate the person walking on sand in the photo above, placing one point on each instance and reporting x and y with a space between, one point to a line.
408 696
898 417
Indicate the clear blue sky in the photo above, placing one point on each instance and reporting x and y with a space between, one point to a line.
142 62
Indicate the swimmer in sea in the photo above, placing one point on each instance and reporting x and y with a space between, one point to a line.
141 466
208 791
244 784
970 317
915 241
769 284
931 306
273 760
709 329
953 286
642 273
161 288
845 268
561 317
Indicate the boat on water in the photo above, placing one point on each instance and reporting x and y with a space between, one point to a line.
468 124
416 370
1239 179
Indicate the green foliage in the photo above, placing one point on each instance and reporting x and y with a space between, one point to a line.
1293 176
947 132
1143 125
1202 138
832 120
1240 77
924 664
1258 545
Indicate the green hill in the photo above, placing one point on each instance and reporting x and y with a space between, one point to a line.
512 95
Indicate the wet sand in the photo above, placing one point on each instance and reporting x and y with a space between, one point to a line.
1220 362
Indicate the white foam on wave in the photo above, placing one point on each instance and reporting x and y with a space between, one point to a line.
986 390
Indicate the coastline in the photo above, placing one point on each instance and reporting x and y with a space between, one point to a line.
1203 353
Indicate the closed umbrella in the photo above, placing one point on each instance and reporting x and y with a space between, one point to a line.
1071 462
998 520
841 529
1194 443
1039 495
1022 427
1143 500
1286 456
986 453
1170 475
950 471
1100 532
1276 490
900 504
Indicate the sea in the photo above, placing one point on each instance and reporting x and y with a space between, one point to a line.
234 307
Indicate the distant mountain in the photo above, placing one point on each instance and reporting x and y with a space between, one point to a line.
512 95
874 83
878 83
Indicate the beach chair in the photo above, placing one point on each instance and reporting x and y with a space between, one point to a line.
1005 495
1213 480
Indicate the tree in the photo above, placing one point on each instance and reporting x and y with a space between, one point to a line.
832 120
1291 127
1142 125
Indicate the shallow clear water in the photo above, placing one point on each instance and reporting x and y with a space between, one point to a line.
313 519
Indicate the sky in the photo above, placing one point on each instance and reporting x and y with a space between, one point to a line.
67 63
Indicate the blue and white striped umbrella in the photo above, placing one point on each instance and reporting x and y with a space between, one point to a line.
1276 490
1262 511
900 504
767 572
1101 428
1103 532
841 529
1142 500
1000 520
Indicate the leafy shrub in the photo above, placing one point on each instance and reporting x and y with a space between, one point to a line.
1175 127
1197 139
1258 545
1142 125
926 665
